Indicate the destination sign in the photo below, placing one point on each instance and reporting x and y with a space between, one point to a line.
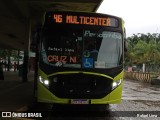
85 20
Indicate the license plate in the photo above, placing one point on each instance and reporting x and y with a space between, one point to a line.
79 101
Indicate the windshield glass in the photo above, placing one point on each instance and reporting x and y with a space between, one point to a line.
81 47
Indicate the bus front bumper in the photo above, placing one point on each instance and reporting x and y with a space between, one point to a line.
45 96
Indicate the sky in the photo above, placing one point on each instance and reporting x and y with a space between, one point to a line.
140 16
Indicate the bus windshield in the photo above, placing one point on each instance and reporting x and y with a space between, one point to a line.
80 47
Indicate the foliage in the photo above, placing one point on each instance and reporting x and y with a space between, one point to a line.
143 48
4 53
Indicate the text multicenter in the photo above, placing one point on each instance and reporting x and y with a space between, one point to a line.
82 20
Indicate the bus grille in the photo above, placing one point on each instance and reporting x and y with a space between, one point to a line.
80 86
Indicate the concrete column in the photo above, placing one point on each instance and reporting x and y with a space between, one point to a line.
36 39
143 68
25 67
9 63
26 52
18 57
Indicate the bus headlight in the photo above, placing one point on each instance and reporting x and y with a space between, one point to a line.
44 81
116 83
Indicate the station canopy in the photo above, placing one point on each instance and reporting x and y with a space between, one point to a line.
18 18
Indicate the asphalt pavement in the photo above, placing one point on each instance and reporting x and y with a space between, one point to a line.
15 95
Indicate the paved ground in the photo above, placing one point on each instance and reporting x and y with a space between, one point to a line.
14 94
139 99
137 90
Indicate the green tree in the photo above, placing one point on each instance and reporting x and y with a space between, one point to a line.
146 50
6 55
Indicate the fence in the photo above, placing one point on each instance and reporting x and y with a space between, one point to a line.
146 77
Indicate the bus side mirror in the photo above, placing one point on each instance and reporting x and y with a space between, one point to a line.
125 45
125 42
